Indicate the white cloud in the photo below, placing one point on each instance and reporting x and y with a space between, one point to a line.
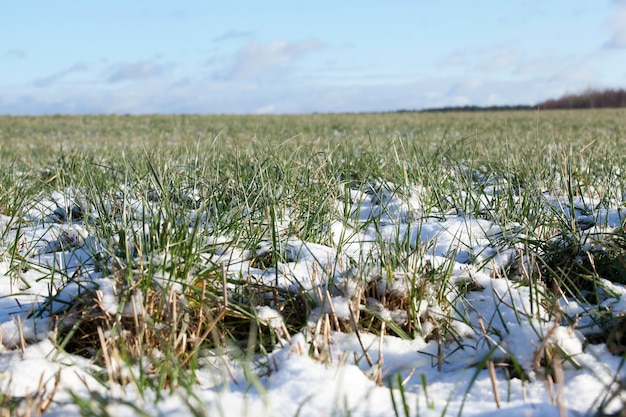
134 71
502 58
466 86
264 78
198 96
272 59
57 76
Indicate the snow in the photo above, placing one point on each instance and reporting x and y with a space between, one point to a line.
354 374
270 316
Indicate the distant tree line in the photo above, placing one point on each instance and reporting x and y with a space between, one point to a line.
475 108
588 99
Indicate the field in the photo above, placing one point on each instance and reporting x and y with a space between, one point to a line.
395 264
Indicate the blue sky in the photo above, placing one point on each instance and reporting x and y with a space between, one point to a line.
303 56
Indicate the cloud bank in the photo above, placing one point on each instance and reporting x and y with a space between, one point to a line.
280 76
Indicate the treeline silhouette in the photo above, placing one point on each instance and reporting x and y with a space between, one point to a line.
589 99
474 108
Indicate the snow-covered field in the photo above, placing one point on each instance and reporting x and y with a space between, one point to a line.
410 309
344 384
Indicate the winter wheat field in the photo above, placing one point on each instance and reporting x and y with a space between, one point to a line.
405 264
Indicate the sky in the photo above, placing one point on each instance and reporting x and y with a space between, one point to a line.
245 56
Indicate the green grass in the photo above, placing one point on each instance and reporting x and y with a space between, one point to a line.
253 181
